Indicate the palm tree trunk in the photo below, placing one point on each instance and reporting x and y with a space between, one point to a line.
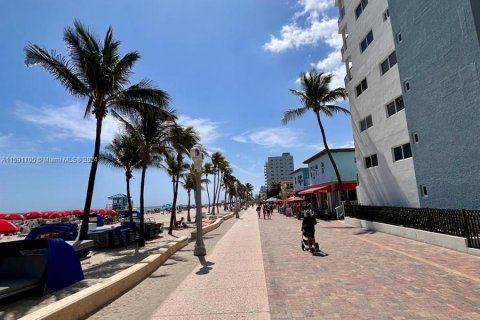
141 240
91 181
337 173
219 189
129 200
174 206
188 213
208 193
214 188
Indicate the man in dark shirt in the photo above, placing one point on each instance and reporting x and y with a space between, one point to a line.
308 227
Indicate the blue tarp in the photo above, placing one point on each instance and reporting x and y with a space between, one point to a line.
64 266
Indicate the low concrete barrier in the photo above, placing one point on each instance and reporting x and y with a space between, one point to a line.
438 239
89 300
212 226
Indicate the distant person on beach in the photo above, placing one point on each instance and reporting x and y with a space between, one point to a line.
308 228
181 223
259 208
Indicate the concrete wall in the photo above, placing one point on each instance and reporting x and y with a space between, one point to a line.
300 179
345 163
389 183
443 240
439 56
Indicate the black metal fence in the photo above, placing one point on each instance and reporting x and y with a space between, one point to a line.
461 223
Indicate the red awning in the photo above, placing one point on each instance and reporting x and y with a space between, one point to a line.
316 190
346 186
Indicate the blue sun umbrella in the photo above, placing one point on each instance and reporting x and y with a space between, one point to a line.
271 199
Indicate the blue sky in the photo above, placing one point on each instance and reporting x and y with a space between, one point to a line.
227 65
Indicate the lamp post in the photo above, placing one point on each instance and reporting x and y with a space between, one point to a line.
197 157
237 209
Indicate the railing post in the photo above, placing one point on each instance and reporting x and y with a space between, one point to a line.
429 218
466 229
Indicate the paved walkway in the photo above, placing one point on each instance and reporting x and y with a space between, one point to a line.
229 283
258 271
365 276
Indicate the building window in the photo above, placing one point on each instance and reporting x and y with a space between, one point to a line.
386 15
366 123
388 63
361 87
322 167
361 6
371 161
399 37
415 137
423 190
402 152
395 106
366 41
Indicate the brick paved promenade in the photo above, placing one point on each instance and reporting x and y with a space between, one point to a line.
366 275
258 271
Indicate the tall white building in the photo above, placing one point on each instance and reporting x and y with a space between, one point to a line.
386 174
278 169
413 80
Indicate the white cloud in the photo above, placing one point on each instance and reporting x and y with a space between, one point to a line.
5 140
245 171
294 36
208 130
319 146
333 64
272 137
316 5
311 26
66 122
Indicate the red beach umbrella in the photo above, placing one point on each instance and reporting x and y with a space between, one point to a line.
278 200
8 227
294 199
111 212
77 211
101 211
54 215
34 215
13 216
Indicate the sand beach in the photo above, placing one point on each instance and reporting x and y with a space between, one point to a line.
99 265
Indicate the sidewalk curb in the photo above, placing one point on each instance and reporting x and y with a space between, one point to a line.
212 226
88 300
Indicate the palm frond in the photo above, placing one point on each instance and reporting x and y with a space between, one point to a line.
58 66
335 109
293 114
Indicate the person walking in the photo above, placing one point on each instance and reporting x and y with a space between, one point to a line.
308 228
259 208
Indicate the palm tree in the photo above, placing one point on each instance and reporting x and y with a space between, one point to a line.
249 188
95 70
150 128
217 159
176 171
189 184
207 169
316 95
181 139
122 153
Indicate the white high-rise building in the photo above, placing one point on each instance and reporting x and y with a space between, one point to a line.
386 174
413 82
278 169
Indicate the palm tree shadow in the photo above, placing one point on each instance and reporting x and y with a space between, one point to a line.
206 266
